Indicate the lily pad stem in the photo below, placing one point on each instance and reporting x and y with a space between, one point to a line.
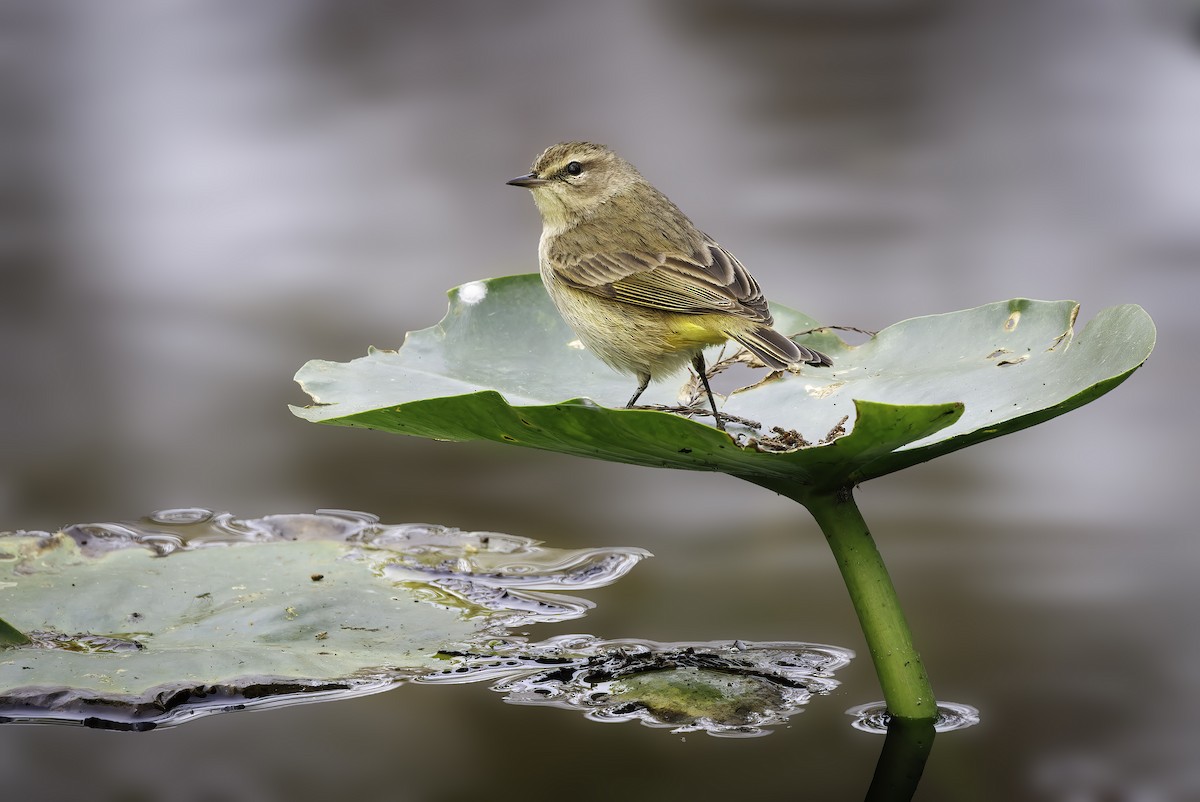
906 687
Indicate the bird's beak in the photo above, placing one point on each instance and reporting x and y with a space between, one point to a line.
528 181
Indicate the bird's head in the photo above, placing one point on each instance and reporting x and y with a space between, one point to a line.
572 180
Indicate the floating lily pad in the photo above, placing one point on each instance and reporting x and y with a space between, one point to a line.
723 688
186 612
502 366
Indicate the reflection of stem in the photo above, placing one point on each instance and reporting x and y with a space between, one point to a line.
902 760
906 688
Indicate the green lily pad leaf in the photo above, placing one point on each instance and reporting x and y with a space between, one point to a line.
187 612
722 688
502 366
11 636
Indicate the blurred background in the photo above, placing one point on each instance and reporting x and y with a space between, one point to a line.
197 197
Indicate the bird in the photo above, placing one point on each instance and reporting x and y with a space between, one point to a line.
641 286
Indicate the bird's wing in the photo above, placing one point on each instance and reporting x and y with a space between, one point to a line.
711 280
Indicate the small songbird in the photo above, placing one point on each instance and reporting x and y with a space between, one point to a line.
643 288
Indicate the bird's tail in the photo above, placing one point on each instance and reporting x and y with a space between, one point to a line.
778 352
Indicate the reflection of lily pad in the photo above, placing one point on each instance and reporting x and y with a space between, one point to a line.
187 612
733 689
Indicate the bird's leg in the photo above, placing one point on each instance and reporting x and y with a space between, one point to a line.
643 383
698 364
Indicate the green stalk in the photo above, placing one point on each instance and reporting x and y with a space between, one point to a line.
901 674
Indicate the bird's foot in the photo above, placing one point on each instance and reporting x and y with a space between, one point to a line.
690 411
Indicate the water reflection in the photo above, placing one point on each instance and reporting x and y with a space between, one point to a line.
901 761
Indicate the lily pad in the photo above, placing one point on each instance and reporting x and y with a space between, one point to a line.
722 688
187 612
502 366
11 636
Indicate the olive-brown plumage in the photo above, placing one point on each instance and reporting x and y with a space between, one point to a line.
644 289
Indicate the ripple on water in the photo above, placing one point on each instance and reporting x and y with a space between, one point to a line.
873 717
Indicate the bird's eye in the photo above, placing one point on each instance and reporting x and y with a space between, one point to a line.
574 168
